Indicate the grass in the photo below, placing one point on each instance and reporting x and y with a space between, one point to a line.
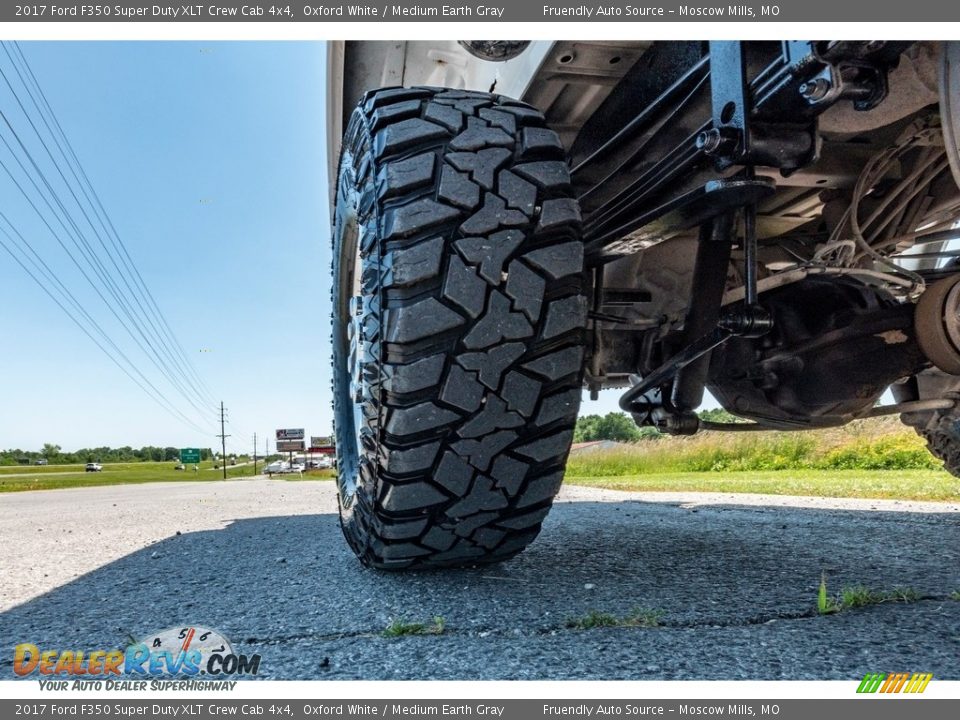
878 444
877 458
859 596
325 474
639 617
955 595
402 628
44 469
68 476
903 594
934 485
593 619
825 604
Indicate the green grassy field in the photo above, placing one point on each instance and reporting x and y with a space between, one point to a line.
862 445
44 469
866 459
47 477
934 485
877 458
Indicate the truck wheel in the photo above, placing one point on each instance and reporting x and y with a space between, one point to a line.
940 428
943 441
459 326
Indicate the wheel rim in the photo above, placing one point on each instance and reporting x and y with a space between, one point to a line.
350 373
356 345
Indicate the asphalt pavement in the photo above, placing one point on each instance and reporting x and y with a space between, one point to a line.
733 579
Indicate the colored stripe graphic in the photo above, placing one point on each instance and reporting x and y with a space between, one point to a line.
871 682
923 679
894 682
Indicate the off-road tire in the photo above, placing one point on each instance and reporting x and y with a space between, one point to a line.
940 428
472 326
942 433
943 442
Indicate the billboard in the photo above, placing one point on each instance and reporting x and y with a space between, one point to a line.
290 434
290 446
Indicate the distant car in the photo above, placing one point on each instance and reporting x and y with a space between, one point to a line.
233 461
93 467
278 466
321 463
297 467
179 466
41 461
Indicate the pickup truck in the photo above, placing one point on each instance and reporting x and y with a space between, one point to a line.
516 223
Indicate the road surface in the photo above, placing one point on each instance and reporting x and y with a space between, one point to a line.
735 577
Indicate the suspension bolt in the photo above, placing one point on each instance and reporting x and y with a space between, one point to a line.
815 90
716 142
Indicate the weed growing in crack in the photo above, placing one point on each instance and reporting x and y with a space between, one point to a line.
639 617
903 594
825 604
593 619
401 628
858 596
955 595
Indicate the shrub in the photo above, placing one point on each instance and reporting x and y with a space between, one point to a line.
880 446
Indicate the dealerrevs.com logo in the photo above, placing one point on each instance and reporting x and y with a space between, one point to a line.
185 652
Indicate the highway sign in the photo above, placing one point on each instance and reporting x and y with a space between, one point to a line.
190 455
290 446
290 434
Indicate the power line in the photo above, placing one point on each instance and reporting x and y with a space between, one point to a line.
78 239
104 275
150 323
119 241
159 398
60 240
105 220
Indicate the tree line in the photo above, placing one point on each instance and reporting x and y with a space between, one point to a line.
619 427
55 455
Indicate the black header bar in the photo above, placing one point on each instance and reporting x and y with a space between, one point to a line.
569 11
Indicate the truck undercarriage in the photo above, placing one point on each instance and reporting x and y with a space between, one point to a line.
770 221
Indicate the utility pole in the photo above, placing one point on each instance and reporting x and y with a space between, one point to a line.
254 453
223 440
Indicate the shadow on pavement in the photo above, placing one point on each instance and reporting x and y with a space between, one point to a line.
736 585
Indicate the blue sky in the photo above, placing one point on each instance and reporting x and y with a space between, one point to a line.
210 159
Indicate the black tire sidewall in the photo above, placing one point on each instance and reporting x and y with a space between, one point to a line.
370 520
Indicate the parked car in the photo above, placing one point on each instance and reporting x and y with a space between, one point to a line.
41 461
93 467
277 466
179 466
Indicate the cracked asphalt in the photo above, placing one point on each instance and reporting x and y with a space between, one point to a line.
263 561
